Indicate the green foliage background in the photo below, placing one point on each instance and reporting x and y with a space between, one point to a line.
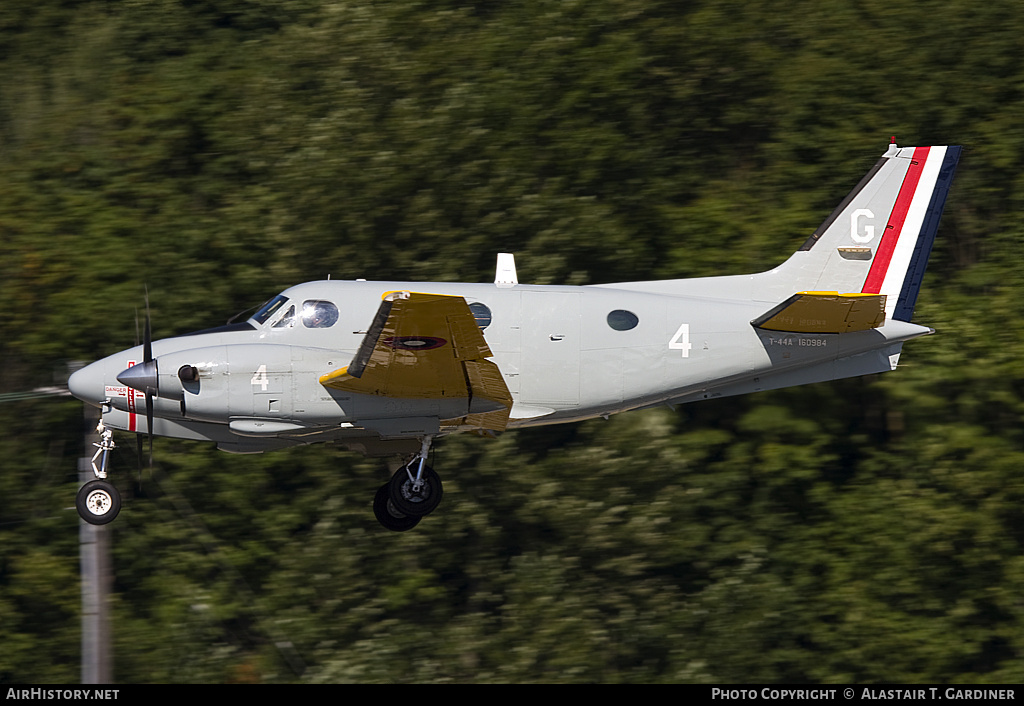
217 151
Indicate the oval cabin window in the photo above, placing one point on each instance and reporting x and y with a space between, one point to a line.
481 313
622 320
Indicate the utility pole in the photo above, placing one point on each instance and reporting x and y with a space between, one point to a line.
94 559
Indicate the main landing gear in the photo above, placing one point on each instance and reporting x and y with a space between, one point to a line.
412 493
98 501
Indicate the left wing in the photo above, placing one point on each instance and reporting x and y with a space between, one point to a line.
428 346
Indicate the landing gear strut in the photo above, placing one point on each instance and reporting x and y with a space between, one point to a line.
98 501
412 493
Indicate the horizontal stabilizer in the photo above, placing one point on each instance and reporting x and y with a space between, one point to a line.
824 312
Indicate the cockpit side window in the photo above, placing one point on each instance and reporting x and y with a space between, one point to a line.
317 313
288 319
268 309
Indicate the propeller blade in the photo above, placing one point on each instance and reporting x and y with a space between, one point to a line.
139 451
149 426
147 357
147 341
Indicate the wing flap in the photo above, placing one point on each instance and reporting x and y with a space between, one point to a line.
491 402
467 340
824 312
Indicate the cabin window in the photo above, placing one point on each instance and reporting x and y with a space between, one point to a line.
317 313
481 313
622 320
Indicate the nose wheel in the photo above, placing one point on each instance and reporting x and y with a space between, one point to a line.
98 502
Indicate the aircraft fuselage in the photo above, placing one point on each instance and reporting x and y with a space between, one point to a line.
565 354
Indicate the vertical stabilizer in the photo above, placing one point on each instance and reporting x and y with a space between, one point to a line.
879 238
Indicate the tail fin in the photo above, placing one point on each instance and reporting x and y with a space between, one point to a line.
879 238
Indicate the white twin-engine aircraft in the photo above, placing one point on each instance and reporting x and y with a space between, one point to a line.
384 368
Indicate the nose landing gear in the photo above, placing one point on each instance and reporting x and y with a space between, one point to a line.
98 501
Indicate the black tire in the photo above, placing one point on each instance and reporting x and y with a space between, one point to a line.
98 502
387 515
418 503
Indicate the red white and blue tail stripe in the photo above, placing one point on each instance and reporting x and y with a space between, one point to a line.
901 255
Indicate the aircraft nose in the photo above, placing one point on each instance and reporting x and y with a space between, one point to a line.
87 384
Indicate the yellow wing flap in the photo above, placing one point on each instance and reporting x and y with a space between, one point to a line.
489 393
427 346
825 312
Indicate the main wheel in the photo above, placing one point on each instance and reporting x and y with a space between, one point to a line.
386 513
98 502
413 500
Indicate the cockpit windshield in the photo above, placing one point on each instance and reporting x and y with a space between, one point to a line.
268 309
287 319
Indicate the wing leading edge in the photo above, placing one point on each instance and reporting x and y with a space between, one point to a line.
428 346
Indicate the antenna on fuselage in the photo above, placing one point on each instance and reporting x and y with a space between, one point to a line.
505 272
